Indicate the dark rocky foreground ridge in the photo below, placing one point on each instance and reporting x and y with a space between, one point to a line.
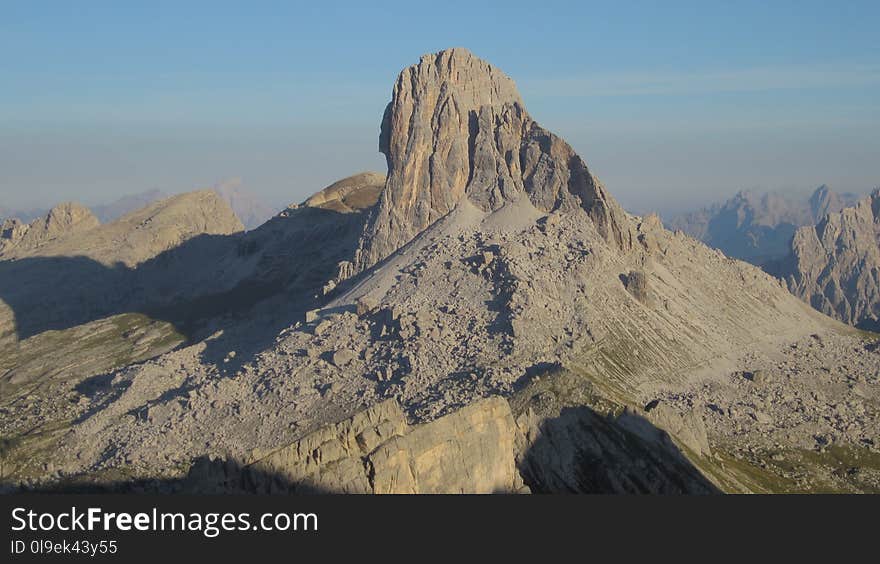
487 318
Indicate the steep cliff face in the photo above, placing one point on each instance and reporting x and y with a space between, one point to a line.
825 200
480 449
377 451
456 127
835 265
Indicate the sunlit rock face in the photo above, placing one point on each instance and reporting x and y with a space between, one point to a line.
456 127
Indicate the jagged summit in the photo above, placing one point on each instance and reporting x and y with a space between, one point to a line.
824 200
835 265
456 127
756 227
61 221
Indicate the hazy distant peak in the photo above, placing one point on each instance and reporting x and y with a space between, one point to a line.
252 211
824 200
23 215
125 204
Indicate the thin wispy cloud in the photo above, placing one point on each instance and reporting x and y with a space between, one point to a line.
757 79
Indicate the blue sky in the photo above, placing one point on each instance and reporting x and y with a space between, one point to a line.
673 104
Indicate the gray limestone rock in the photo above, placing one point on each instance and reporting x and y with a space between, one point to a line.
456 127
376 451
835 265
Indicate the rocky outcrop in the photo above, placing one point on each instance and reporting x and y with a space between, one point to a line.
478 449
62 221
581 451
72 230
687 428
11 232
333 458
572 439
355 193
468 451
68 269
456 127
835 265
636 283
376 451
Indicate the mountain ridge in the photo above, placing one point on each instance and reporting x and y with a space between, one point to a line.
835 265
493 263
756 227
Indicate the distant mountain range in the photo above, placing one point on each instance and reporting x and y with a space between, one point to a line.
252 211
826 248
758 228
24 215
835 264
118 208
105 213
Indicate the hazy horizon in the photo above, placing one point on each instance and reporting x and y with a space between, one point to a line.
673 106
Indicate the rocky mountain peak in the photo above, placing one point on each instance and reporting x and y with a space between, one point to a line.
61 221
835 265
441 84
72 230
456 127
247 206
824 201
67 216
